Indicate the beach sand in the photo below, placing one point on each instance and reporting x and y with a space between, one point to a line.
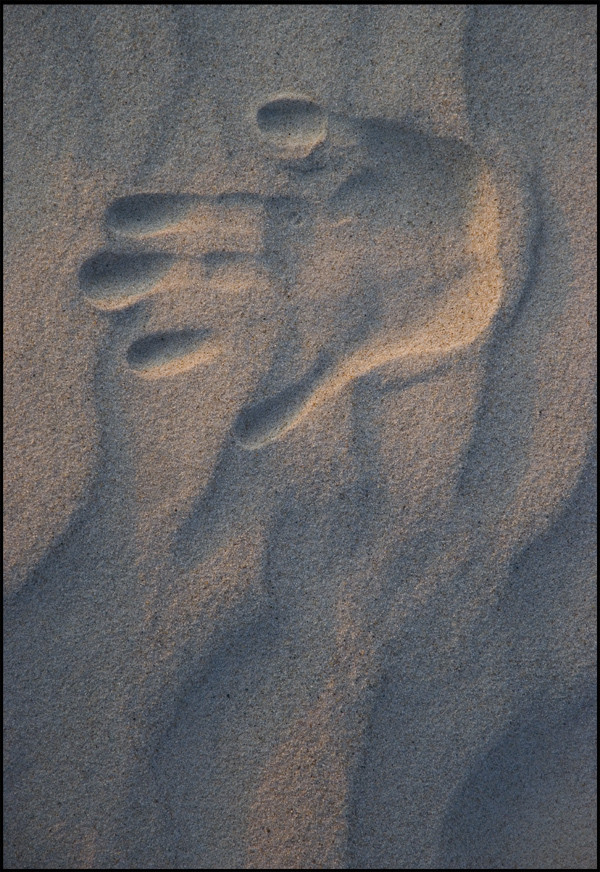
299 360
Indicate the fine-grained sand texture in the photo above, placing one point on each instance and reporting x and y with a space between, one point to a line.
300 436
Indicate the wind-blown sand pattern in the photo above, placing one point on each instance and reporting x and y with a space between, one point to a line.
300 429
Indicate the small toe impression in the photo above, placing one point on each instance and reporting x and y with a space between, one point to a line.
147 214
171 352
292 125
111 281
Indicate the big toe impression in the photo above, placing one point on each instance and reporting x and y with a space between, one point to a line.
292 125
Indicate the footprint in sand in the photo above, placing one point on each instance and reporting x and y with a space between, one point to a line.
387 241
386 247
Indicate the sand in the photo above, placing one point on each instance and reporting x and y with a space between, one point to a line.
299 436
